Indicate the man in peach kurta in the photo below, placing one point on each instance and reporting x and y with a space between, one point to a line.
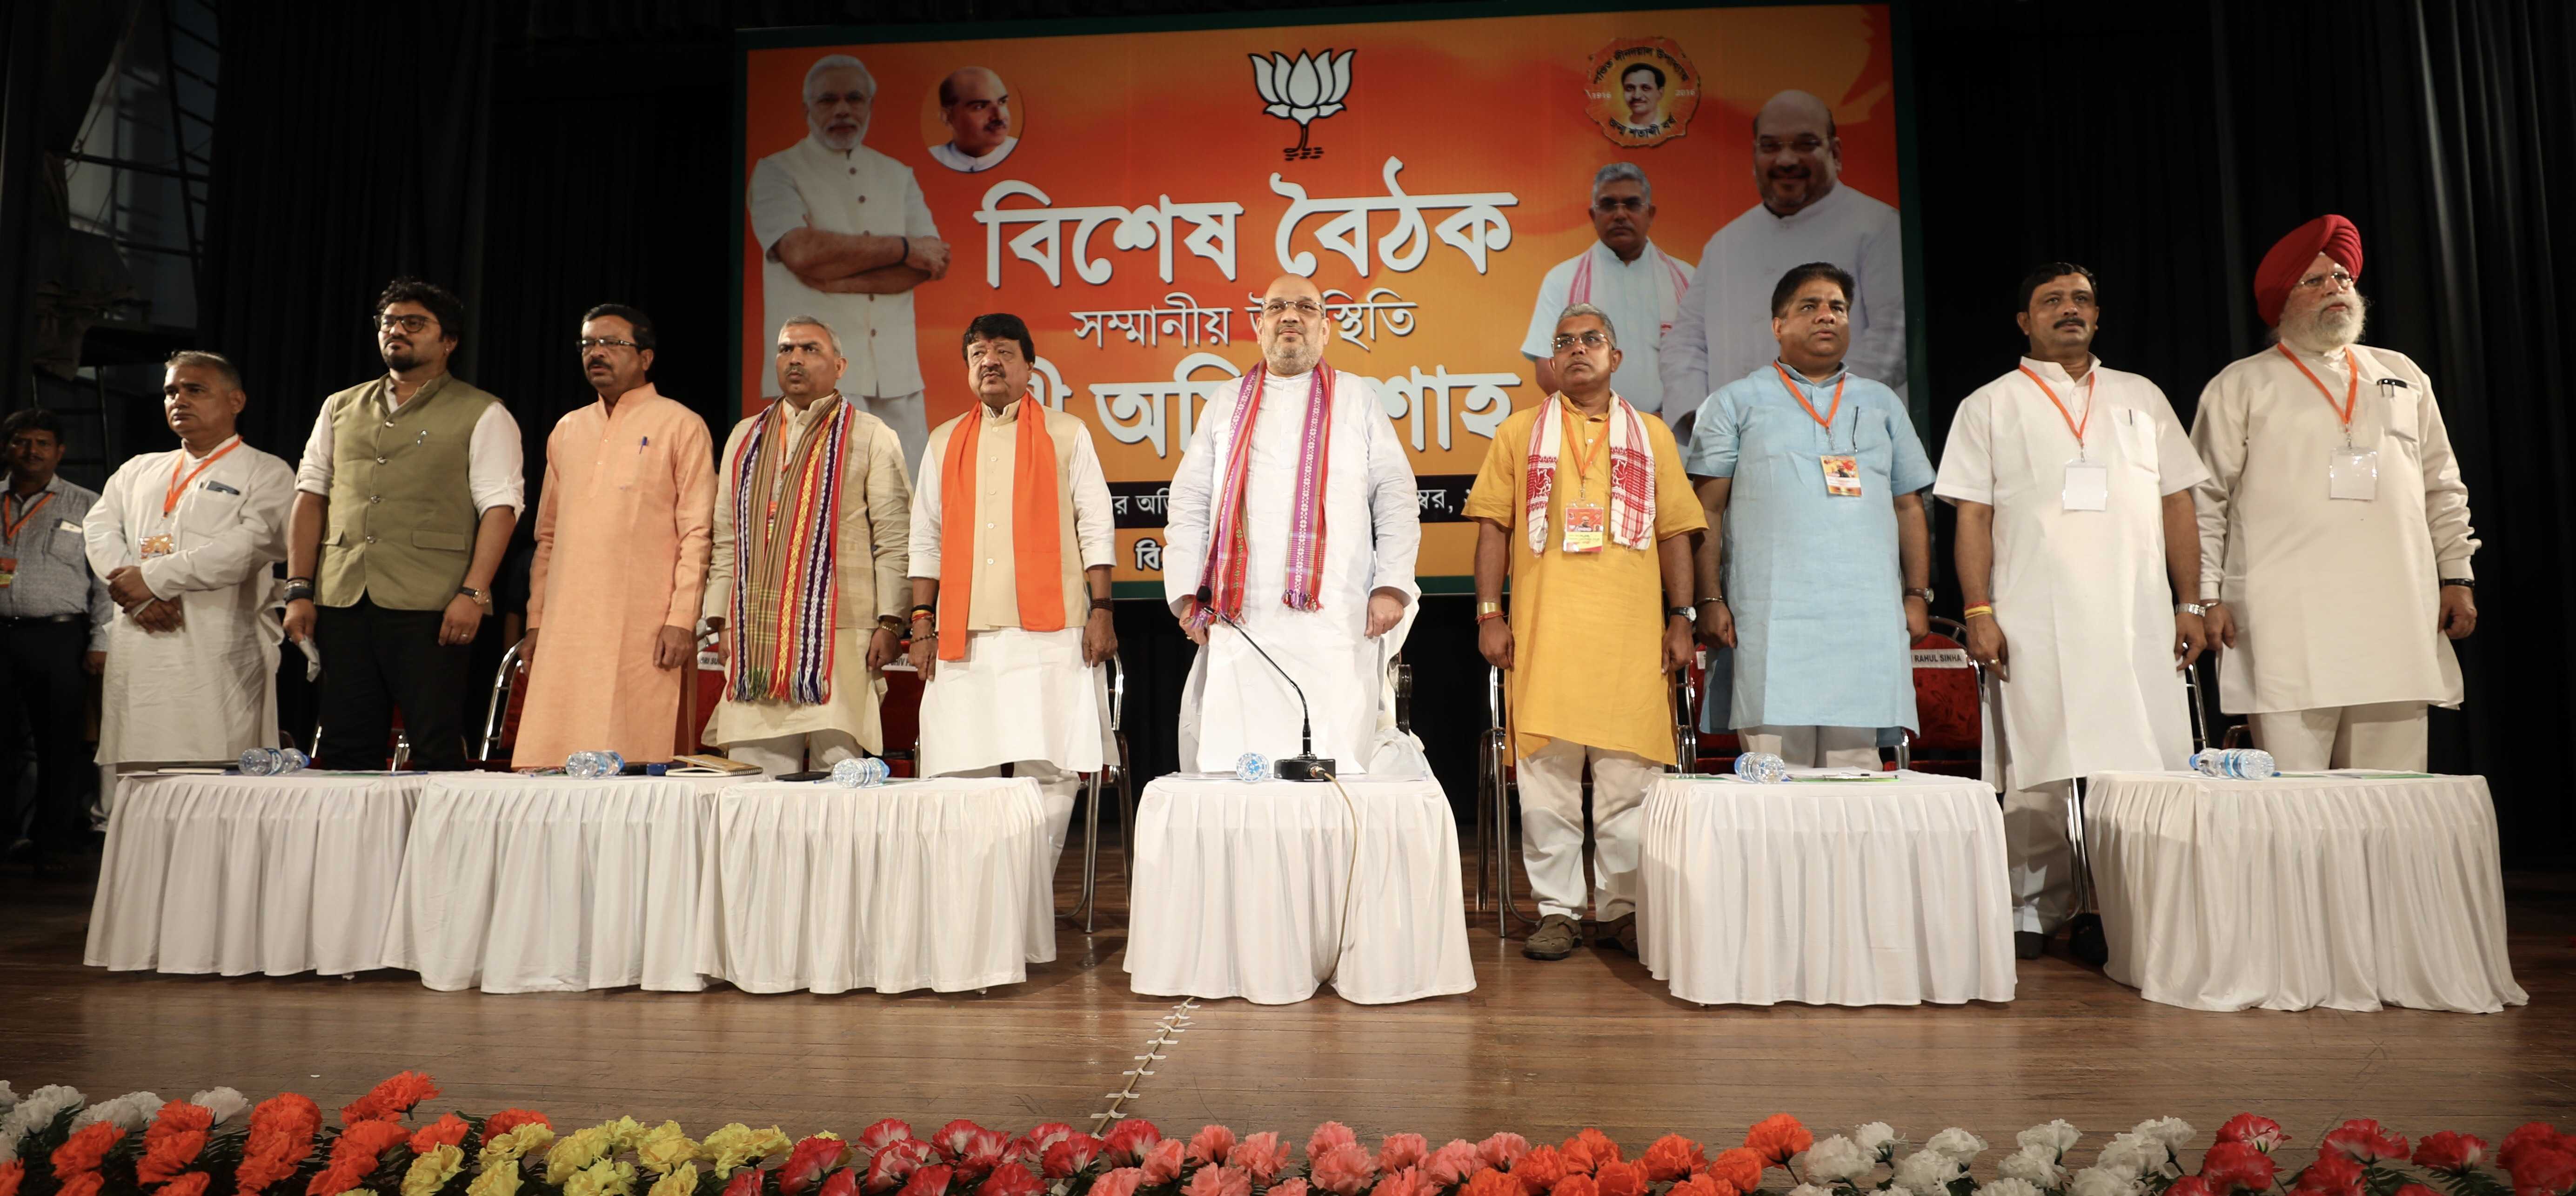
622 539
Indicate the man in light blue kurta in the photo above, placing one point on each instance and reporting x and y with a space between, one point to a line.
1812 479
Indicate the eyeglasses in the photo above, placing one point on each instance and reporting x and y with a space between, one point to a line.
589 343
1590 338
1772 145
1616 203
31 443
1280 307
407 323
2338 278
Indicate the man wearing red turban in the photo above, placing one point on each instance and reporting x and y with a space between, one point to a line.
2334 529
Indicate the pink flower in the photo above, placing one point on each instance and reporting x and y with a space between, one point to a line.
1450 1165
1342 1170
1285 1187
1327 1136
2449 1151
1069 1156
928 1181
1407 1181
1128 1140
1049 1134
2364 1142
896 1163
953 1138
1218 1181
1262 1156
1503 1150
2261 1133
1122 1181
884 1134
1162 1163
1012 1180
1211 1144
1396 1152
982 1152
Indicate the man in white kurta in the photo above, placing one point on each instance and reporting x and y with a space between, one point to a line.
1009 683
2079 560
186 539
1807 214
2334 527
845 236
1360 584
1624 273
783 735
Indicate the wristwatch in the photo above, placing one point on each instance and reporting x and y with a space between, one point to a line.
2192 608
1690 613
2466 583
482 597
1925 593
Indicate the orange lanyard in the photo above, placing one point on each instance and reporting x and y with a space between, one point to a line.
2351 389
2090 381
12 526
1827 419
1582 464
179 485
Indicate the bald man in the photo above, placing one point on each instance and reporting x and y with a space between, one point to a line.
978 111
1293 525
1807 214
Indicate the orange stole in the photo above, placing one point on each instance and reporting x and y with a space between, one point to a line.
1038 567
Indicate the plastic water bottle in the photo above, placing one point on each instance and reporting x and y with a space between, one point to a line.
1761 768
2235 764
1252 767
270 762
594 764
860 772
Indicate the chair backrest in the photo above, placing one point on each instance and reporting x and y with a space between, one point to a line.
500 734
1711 751
1946 687
899 715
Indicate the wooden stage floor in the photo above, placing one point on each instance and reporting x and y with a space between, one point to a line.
1539 1048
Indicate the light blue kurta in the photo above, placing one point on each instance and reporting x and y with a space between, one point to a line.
1812 577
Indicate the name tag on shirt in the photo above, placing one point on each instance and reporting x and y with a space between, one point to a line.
155 546
68 526
1586 527
2088 486
2352 473
8 571
1842 476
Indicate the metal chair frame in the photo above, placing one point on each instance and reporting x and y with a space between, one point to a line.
1498 786
502 683
1118 773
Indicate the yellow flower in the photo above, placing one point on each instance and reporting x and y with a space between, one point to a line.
771 1141
518 1144
496 1181
682 1181
574 1153
623 1134
728 1149
604 1178
430 1172
664 1148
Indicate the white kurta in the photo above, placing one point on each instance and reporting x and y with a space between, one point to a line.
1234 701
2337 601
1644 299
207 691
1724 331
2081 597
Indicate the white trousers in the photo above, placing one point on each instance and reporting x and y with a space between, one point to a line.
2039 861
1551 783
1815 747
1056 787
910 420
788 753
2387 735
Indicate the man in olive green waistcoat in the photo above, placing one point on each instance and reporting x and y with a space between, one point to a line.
405 501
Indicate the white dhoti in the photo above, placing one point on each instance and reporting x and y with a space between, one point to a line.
1022 699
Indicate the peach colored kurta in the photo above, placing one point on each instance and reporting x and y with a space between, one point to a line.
622 541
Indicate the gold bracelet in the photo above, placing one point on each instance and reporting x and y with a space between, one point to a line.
1974 611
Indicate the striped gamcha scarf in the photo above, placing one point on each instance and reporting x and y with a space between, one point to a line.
1227 557
786 583
1632 474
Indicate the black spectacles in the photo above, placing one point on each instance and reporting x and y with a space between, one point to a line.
407 323
589 343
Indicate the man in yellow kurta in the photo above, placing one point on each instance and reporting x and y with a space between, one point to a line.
1584 497
807 583
622 534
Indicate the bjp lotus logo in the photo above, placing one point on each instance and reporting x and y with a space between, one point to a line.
1305 90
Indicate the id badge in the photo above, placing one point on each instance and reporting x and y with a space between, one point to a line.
2353 473
1842 476
1586 527
156 546
2088 486
8 571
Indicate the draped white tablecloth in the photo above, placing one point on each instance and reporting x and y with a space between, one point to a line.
2293 892
553 884
1239 890
1855 893
943 884
236 874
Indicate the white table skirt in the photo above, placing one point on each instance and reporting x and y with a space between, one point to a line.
236 875
553 884
2296 892
1239 891
945 884
1860 893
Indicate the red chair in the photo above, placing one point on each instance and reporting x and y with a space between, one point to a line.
501 715
1949 689
1702 750
899 717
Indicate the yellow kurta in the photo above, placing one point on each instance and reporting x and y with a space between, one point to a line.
1587 628
622 541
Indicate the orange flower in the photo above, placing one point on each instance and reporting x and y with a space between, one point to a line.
83 1151
281 1138
446 1131
1738 1167
12 1173
86 1183
390 1100
1586 1151
1777 1137
1576 1185
1539 1170
1621 1179
1702 1185
1482 1183
173 1141
510 1119
355 1155
192 1184
1672 1157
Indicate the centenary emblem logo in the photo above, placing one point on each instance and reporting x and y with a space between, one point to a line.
1642 91
1305 90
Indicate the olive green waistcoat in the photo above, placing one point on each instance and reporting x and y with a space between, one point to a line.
402 521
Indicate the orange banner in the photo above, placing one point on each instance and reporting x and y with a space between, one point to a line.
1130 195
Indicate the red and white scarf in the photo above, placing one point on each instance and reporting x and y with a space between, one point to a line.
1668 296
1227 559
1632 473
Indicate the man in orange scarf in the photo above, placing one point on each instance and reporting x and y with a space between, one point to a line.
1013 509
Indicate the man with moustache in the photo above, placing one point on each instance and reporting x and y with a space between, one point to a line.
1012 541
1293 523
621 559
1807 214
2079 558
186 540
978 111
2334 527
53 631
1628 276
1643 87
845 235
806 585
1811 479
409 489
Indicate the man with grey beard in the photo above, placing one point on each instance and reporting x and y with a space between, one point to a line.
2334 528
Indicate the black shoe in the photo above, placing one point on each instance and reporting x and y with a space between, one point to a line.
2085 941
2027 944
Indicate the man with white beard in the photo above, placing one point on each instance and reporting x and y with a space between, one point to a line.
2334 528
1293 515
845 236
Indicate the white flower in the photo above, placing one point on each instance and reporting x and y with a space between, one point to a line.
2036 1163
1809 1190
1927 1170
1878 1138
1836 1158
1957 1143
2095 1181
35 1112
224 1103
1894 1190
8 1097
129 1112
2173 1133
2010 1187
1306 90
2057 1136
2130 1156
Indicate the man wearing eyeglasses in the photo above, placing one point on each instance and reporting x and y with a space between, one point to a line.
2334 527
53 629
410 486
1626 275
1807 214
623 529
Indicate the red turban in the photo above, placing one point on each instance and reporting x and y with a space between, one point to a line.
2288 262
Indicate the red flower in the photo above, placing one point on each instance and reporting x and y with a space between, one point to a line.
1482 1183
192 1184
928 1181
1702 1185
510 1119
85 1149
2261 1133
1576 1185
953 1138
86 1183
12 1173
1127 1141
1586 1151
1396 1151
745 1182
2364 1142
984 1152
449 1130
390 1100
1015 1180
2333 1174
355 1155
2416 1190
896 1163
807 1162
280 1139
2525 1137
2449 1151
1540 1169
1503 1150
1069 1157
1777 1137
173 1141
2191 1185
1672 1157
884 1134
1739 1167
1621 1179
2234 1165
1048 1134
844 1182
2542 1169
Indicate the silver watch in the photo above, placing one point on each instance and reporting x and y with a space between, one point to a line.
2193 608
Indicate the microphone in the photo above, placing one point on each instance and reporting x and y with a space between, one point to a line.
1305 765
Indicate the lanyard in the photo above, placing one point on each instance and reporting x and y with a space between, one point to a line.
12 526
2351 389
179 485
1795 392
2091 383
1574 429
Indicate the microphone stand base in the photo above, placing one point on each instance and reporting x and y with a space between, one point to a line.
1303 768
